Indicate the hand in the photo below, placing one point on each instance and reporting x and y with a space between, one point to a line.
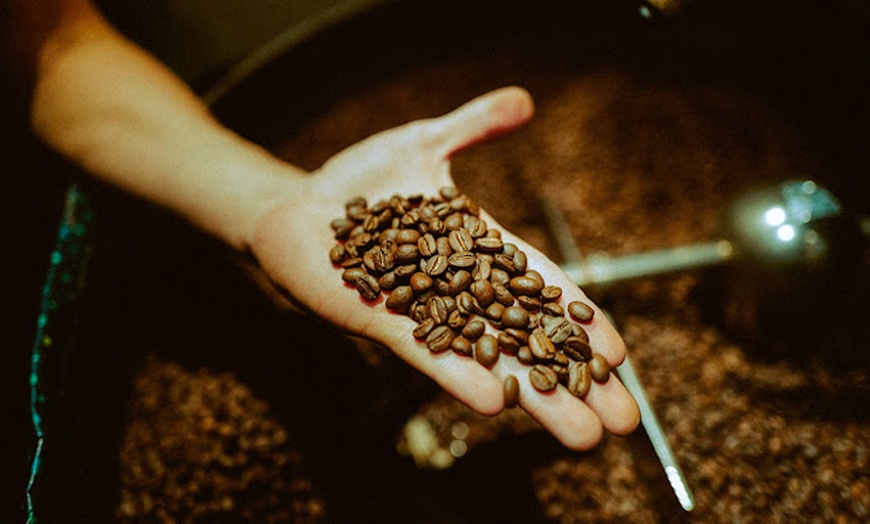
292 241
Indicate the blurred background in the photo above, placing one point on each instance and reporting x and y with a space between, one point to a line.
178 398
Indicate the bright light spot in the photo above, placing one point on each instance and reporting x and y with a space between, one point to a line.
785 233
645 11
809 187
775 216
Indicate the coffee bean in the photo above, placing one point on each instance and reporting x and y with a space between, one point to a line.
541 346
440 339
502 295
552 308
420 282
524 355
473 329
352 274
599 368
437 226
448 192
525 286
368 287
475 226
461 240
407 236
507 343
489 244
579 379
482 268
534 275
407 254
529 303
558 329
457 320
520 334
443 246
337 253
436 265
400 299
505 263
352 262
493 233
460 282
426 245
581 311
515 317
495 311
499 276
418 311
388 281
454 221
520 261
441 286
551 293
405 271
543 378
511 391
467 304
462 346
577 348
462 260
486 351
437 310
483 292
579 332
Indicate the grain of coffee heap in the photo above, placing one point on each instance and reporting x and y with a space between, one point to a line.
442 266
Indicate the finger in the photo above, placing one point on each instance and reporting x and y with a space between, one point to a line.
486 116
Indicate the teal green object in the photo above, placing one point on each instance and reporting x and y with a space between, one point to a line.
54 339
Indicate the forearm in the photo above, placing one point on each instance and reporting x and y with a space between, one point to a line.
112 108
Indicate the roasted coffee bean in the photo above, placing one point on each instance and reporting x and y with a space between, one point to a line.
437 310
599 368
561 359
520 334
561 372
426 245
362 241
436 265
509 249
461 240
551 293
524 355
543 378
541 346
577 348
495 311
407 236
521 262
533 321
352 262
581 311
507 343
442 209
440 339
454 222
462 260
515 317
534 275
475 226
419 312
456 320
502 295
579 379
368 287
437 226
462 346
493 233
505 263
554 309
473 329
407 254
443 246
467 304
337 253
511 391
410 219
580 332
486 351
400 299
384 260
387 237
388 281
525 286
460 282
420 282
449 303
352 274
352 250
529 303
483 292
558 329
404 272
489 244
481 269
342 227
499 276
372 223
441 286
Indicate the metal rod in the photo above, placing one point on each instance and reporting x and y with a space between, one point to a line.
571 254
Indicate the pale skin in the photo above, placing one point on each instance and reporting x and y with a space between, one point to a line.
112 108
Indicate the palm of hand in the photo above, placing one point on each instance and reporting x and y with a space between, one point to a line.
294 239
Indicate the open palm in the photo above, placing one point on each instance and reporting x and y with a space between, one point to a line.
292 242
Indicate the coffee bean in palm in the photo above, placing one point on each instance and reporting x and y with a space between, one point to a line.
558 329
486 351
482 268
467 304
437 226
352 274
456 320
437 310
525 356
420 282
505 263
581 311
541 346
439 339
552 308
483 292
352 262
507 343
462 260
460 240
521 262
577 348
551 293
523 285
502 295
599 368
543 378
337 253
426 245
534 275
388 281
495 311
520 334
368 287
473 329
454 221
511 391
475 226
448 192
529 303
442 245
462 346
400 299
515 317
489 244
407 254
459 282
436 265
579 332
579 379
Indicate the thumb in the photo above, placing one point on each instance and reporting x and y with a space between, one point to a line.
484 117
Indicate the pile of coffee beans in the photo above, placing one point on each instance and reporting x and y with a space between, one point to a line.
441 265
